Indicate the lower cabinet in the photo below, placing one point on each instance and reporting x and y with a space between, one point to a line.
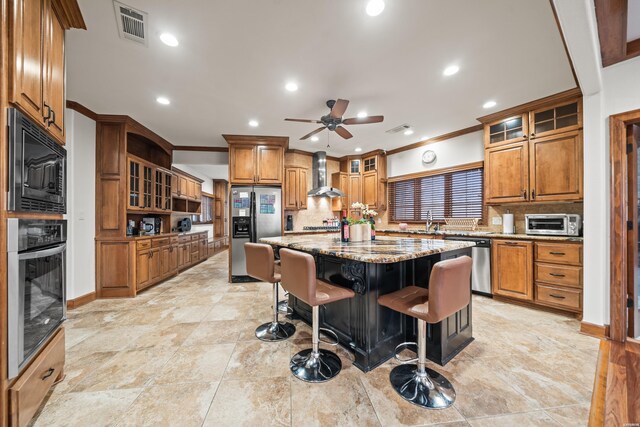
543 273
511 269
144 262
30 389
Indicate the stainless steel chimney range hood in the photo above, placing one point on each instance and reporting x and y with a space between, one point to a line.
319 178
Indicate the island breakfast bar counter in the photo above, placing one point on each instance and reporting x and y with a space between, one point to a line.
371 269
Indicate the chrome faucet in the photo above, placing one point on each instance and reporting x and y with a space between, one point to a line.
429 220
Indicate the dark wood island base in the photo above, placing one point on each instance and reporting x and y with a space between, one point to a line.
369 330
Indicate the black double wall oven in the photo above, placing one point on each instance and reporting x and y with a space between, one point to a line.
36 247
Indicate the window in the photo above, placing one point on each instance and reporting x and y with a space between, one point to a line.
206 211
453 194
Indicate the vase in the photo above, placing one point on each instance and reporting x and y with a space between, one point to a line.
359 232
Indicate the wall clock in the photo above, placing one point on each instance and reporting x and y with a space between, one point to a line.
429 156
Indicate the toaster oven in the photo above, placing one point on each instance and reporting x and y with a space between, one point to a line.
554 224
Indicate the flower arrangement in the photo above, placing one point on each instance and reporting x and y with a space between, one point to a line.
364 210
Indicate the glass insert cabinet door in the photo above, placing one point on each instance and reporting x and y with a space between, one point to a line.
507 131
556 119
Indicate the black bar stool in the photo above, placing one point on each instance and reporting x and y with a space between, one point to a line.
299 278
449 291
261 266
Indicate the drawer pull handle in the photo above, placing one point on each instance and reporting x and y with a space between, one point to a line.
557 296
47 374
556 275
508 243
557 253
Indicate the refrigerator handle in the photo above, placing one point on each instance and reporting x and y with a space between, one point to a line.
252 215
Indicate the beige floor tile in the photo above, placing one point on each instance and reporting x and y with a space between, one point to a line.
219 331
569 416
260 402
127 369
79 368
93 409
183 405
341 401
259 359
393 410
532 419
199 363
165 335
114 338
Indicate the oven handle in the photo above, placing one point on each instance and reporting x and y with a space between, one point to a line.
41 254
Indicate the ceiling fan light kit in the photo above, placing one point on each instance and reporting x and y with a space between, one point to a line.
334 121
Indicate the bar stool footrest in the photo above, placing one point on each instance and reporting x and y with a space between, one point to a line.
402 346
333 335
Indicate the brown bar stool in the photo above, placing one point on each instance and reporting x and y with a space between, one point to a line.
449 291
261 266
299 278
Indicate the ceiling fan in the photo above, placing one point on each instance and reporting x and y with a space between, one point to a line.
334 120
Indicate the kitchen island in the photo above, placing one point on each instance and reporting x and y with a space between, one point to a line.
371 269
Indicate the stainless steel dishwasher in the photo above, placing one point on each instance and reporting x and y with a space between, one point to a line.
481 270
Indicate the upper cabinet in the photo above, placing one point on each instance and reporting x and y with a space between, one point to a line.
535 156
37 54
295 188
362 179
256 160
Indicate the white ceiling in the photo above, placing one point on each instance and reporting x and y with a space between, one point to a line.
235 57
633 20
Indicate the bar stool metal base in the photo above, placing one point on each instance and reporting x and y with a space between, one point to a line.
430 390
275 331
315 369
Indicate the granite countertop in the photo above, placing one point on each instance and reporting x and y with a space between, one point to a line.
487 234
383 250
310 231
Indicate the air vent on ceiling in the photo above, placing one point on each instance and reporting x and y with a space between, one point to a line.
400 128
132 23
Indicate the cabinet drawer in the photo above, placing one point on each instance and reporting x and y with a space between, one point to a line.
565 298
33 385
565 275
174 240
156 243
184 239
558 253
143 244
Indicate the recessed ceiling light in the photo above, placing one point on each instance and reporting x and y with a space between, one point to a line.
375 7
253 123
358 149
169 39
451 70
291 87
489 104
162 100
362 114
314 138
408 132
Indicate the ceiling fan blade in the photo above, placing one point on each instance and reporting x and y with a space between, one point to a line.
343 132
310 134
363 120
339 108
303 120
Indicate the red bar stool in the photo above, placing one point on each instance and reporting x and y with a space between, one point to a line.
261 265
449 291
299 278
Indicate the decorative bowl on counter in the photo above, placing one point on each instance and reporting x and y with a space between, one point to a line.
403 226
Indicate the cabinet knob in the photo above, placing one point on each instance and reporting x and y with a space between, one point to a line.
533 135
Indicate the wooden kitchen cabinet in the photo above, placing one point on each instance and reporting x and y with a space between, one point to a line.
173 259
536 156
506 173
37 37
256 160
155 265
511 269
183 186
558 275
555 165
143 268
295 188
354 194
370 189
340 180
163 191
140 185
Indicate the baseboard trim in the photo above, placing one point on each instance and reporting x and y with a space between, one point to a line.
81 300
597 331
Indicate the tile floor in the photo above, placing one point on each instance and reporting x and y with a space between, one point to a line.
183 354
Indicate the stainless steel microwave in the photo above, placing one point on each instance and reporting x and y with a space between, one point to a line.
554 224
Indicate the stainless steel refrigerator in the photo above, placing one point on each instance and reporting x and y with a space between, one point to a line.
256 212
